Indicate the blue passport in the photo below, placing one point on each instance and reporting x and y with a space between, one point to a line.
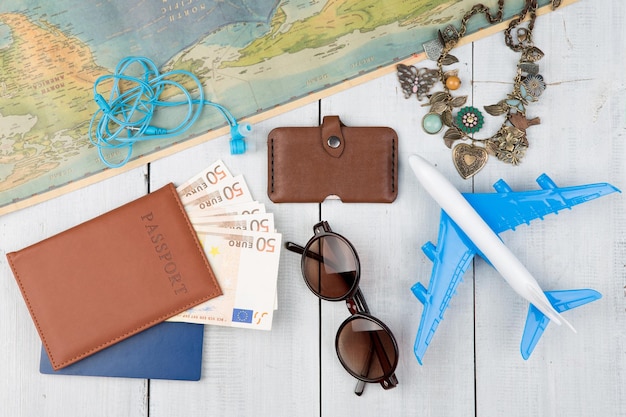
168 350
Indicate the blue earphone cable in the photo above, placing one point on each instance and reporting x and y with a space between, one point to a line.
125 118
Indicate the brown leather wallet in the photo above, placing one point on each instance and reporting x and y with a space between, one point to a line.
355 164
111 277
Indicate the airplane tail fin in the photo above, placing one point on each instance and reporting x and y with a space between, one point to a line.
536 322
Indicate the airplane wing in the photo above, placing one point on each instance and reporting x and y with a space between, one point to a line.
536 321
450 258
506 209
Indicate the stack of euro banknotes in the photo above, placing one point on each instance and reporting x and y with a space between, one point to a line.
241 244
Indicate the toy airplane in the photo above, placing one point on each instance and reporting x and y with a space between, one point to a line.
469 225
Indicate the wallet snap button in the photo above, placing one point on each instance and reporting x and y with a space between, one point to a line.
334 142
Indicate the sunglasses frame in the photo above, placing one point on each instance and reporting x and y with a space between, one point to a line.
355 302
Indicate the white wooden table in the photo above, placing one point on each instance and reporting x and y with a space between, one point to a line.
473 366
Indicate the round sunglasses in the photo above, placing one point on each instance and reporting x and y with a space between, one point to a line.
365 345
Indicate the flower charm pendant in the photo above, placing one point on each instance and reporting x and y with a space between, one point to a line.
469 119
534 85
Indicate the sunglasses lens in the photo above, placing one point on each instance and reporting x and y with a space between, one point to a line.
330 267
366 349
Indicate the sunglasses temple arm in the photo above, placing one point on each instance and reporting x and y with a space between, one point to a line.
360 385
387 383
293 247
391 381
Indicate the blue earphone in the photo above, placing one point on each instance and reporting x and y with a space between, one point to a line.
125 118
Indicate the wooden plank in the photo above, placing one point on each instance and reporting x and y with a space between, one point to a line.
248 372
578 141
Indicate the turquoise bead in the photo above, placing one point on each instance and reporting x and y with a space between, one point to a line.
432 123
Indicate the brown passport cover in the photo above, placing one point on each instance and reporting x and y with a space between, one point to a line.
309 164
113 276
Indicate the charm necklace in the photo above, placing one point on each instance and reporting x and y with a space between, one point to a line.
509 143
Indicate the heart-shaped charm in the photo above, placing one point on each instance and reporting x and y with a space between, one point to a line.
468 159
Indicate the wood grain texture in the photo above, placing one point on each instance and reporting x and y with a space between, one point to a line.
580 140
473 366
25 392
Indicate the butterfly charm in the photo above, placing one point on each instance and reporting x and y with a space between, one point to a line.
416 81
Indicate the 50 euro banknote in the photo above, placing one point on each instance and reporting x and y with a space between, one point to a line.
262 222
209 178
245 264
232 190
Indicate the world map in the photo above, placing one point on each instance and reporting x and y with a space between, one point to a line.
251 56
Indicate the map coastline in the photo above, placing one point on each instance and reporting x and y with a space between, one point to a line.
44 149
